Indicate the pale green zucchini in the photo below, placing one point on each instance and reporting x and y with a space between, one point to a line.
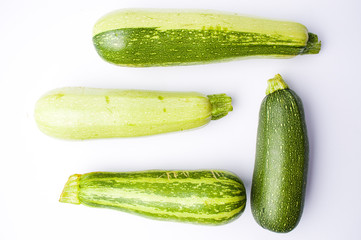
149 37
86 113
200 197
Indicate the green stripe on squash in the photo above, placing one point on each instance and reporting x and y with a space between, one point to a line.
209 197
142 38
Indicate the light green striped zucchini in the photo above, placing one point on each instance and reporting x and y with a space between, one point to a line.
150 37
209 197
86 113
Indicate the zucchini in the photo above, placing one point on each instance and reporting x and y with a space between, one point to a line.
86 113
149 37
280 171
201 197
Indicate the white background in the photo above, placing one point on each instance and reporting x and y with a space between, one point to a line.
48 44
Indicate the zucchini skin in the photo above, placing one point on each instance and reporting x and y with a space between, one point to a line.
280 171
88 113
207 197
160 40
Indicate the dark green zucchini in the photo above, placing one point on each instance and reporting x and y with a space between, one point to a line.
144 38
280 171
201 197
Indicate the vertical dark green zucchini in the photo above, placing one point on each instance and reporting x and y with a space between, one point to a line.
201 197
280 171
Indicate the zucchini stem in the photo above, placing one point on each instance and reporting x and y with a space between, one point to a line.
275 84
221 105
313 45
71 190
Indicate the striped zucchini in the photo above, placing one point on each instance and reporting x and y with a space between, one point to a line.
280 172
86 113
148 37
200 197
